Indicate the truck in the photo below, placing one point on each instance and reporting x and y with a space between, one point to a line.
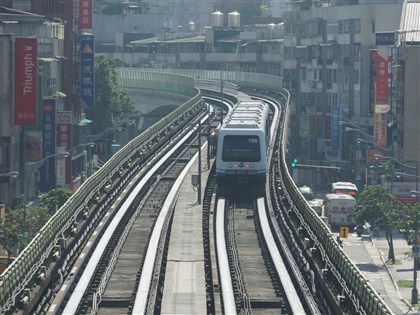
338 209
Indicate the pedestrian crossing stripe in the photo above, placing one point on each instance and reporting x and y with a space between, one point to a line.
344 231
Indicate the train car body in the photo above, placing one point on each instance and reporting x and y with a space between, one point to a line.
242 142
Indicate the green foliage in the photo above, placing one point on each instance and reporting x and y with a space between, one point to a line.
112 102
377 206
55 197
405 283
10 238
21 225
410 217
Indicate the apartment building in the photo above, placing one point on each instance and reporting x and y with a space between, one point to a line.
328 69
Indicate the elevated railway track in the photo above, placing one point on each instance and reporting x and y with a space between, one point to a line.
322 277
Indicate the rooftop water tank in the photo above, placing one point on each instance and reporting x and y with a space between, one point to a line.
191 26
234 20
271 26
217 19
167 24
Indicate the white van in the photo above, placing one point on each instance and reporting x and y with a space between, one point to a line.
338 208
307 192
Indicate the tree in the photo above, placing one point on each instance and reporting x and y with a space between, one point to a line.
55 198
9 237
112 102
20 226
411 220
378 206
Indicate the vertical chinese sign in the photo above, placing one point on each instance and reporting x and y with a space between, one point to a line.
64 166
48 169
87 71
85 14
384 42
26 74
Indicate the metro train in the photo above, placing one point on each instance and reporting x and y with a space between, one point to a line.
242 143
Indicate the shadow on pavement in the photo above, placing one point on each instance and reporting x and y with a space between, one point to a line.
369 267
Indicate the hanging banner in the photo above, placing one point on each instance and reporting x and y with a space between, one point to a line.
382 74
85 14
383 60
372 74
64 136
87 71
48 170
26 74
380 126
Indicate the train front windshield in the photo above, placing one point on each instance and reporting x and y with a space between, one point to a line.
241 149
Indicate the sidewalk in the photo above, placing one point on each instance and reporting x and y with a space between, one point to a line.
370 253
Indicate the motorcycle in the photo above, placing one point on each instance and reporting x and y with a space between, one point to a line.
359 229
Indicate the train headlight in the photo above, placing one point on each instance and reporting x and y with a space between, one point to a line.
252 165
230 165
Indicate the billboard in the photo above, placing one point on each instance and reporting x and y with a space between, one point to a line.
87 71
85 14
26 75
64 140
47 170
383 59
381 77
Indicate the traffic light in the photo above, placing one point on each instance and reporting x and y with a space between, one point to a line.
294 162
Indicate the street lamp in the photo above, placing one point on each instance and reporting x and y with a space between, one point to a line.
374 144
347 129
89 145
349 122
12 174
30 167
414 291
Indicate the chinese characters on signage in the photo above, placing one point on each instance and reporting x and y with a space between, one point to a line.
64 122
47 175
85 14
87 71
382 61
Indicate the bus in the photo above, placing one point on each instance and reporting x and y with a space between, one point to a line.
338 208
346 188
